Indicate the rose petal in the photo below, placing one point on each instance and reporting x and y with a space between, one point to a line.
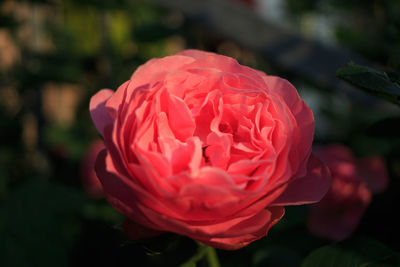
194 53
98 111
254 226
117 100
301 112
145 72
218 149
180 119
337 215
338 157
223 64
374 172
234 243
308 189
126 195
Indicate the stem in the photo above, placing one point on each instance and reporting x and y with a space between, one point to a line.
212 257
204 251
201 252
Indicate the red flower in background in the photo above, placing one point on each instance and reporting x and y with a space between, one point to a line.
354 181
199 145
90 182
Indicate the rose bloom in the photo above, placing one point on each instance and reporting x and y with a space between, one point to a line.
90 182
354 181
199 145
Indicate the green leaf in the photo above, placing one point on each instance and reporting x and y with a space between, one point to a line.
352 253
202 252
188 264
375 82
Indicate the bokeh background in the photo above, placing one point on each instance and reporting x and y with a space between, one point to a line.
55 54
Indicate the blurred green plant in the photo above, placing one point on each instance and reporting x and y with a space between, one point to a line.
353 253
375 82
39 224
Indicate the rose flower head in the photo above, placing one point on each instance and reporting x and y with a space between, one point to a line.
354 181
199 145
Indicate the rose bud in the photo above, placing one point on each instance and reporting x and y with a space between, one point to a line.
199 145
90 182
337 215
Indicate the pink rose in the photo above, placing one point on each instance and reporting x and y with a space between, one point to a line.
337 215
90 182
199 145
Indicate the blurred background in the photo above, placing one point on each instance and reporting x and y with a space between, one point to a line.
55 54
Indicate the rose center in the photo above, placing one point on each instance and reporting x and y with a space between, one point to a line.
206 159
225 127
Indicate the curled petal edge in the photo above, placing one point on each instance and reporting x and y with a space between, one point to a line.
308 189
98 110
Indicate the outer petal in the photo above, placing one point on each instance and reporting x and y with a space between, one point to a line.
145 72
301 112
194 53
98 111
143 75
339 158
221 63
122 192
308 189
374 172
237 227
234 243
337 215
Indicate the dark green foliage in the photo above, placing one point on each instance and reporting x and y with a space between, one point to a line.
39 224
153 32
353 253
39 68
372 81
